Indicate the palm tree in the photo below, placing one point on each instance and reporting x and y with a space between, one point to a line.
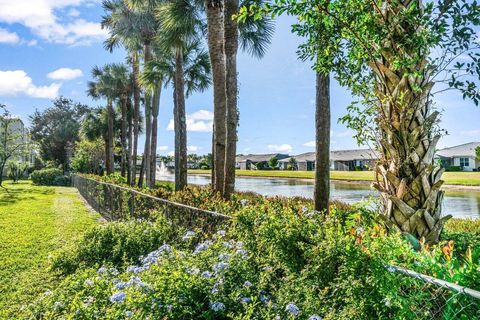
123 87
196 70
124 29
215 34
255 35
103 86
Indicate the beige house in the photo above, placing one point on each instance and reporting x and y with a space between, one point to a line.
462 156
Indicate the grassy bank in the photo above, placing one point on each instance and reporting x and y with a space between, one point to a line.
34 222
451 178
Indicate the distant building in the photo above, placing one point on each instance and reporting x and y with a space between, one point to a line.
17 128
341 160
462 156
247 162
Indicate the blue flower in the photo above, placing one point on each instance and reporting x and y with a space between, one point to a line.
202 246
113 271
128 314
188 235
206 274
102 270
315 317
88 283
247 284
217 306
221 233
224 257
118 297
245 300
220 266
292 309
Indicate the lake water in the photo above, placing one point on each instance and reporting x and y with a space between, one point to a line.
458 203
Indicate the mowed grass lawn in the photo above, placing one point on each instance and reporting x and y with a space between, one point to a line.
452 178
34 222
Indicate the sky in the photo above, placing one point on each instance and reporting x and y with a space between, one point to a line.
48 48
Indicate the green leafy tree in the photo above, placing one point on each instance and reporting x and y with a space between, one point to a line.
16 170
391 54
477 152
273 162
56 129
292 164
89 156
12 140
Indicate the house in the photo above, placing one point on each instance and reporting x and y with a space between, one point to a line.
462 156
341 160
350 160
304 162
250 161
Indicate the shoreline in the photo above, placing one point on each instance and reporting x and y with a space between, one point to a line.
457 187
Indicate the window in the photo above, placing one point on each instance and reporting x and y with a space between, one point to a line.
464 162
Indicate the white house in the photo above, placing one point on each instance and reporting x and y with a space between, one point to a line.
460 156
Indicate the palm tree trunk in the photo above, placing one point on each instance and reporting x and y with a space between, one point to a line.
148 126
111 115
322 144
214 9
407 177
136 117
180 124
153 143
123 106
231 48
130 141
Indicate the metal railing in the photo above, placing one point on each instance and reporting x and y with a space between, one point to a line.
116 202
434 298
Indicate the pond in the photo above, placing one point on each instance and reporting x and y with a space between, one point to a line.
458 203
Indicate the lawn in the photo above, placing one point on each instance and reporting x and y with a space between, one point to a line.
452 178
34 222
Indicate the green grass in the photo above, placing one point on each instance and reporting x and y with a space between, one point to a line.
451 178
34 222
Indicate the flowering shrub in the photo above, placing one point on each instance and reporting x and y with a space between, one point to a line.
116 243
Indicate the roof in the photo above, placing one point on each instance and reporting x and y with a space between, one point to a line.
465 150
308 156
339 155
260 157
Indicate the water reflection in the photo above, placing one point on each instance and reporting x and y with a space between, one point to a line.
459 203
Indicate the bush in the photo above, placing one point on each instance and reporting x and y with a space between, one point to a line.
116 243
17 170
454 168
89 156
50 177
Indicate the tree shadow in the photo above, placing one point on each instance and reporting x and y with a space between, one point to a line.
20 191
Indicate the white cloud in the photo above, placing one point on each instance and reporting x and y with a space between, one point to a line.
310 144
65 74
193 148
8 37
162 148
40 17
471 133
280 147
17 82
199 121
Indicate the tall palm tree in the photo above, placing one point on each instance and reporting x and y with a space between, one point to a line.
147 25
103 86
214 10
253 35
123 88
124 29
180 25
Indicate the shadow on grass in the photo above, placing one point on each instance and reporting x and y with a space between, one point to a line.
11 193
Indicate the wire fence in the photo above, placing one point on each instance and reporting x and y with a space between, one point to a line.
115 202
434 298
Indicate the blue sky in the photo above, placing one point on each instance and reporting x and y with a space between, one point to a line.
48 47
